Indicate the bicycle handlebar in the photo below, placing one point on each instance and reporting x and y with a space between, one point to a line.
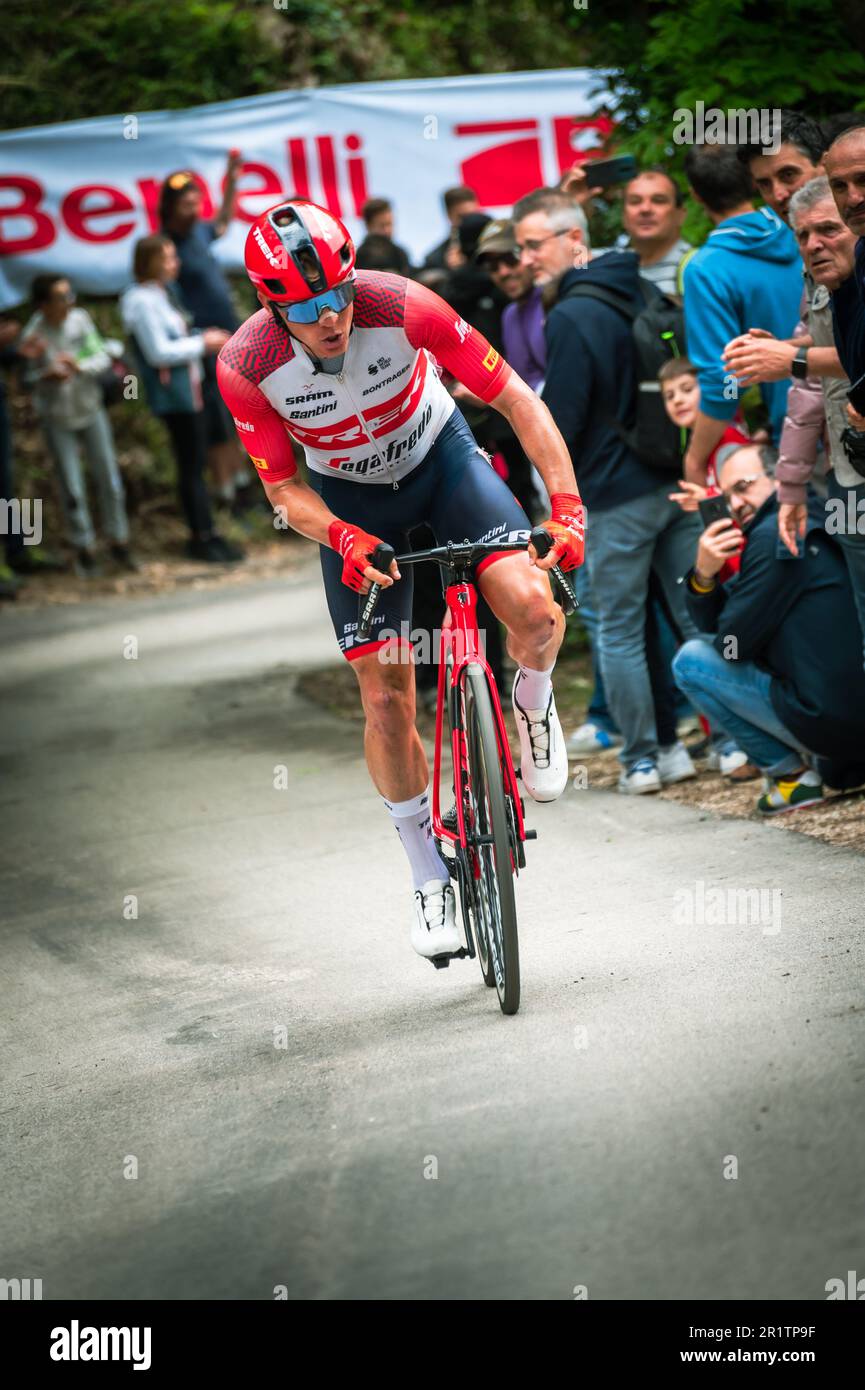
459 554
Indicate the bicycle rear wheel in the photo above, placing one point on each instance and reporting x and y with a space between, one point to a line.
494 884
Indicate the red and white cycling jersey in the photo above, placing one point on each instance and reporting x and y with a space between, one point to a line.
377 419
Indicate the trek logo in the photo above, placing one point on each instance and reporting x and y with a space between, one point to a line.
78 1343
278 262
374 463
382 362
463 329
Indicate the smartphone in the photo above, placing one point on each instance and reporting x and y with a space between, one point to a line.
602 173
713 509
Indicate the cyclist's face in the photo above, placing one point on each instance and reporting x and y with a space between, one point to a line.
328 337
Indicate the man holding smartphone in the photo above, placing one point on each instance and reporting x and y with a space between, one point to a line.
777 666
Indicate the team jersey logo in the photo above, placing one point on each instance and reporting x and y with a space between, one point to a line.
260 463
463 329
491 360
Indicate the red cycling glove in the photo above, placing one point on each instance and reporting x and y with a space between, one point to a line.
567 526
356 548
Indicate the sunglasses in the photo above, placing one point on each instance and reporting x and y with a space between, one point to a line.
310 310
489 261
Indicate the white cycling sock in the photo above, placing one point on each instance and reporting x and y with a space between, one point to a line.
413 821
533 688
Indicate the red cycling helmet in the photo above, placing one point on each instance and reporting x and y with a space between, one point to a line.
297 250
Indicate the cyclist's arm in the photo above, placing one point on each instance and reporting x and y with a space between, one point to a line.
536 430
263 434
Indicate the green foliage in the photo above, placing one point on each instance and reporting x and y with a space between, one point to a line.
666 55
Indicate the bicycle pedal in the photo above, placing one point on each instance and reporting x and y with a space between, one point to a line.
443 961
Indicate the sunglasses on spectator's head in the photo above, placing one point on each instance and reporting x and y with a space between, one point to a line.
183 180
310 310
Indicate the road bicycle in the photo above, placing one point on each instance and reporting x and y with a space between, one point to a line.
482 837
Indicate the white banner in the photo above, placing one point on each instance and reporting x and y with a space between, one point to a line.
75 197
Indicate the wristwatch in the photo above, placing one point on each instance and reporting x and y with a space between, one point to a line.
799 365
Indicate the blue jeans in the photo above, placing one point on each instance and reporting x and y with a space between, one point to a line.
598 711
735 696
623 546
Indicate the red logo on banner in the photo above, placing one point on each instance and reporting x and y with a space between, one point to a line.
514 166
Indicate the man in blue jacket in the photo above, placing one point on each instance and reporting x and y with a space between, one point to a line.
782 671
633 527
748 274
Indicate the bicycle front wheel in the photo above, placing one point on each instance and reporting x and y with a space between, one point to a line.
494 883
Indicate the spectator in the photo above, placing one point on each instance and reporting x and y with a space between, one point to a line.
522 324
458 203
845 169
680 391
378 250
634 528
521 333
747 273
652 214
828 249
799 157
68 361
205 292
170 354
13 541
776 668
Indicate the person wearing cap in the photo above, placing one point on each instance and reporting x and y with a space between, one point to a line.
205 293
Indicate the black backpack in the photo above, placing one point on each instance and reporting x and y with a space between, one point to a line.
658 331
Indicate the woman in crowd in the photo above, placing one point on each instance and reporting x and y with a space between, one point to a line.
66 363
171 355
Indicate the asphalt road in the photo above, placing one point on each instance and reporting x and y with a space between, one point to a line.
256 1085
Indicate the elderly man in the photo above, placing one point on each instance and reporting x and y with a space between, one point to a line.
781 673
845 169
591 388
828 249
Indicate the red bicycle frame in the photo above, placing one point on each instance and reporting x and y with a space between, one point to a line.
460 641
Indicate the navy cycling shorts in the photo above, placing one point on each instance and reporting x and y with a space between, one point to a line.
455 491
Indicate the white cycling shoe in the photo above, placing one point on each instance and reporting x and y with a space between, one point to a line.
434 930
543 755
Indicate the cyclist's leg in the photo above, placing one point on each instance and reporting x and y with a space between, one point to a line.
472 501
385 674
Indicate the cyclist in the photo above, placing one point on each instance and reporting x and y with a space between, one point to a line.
342 362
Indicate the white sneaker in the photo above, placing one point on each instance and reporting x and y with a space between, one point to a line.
674 764
725 763
543 756
643 777
591 738
434 931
